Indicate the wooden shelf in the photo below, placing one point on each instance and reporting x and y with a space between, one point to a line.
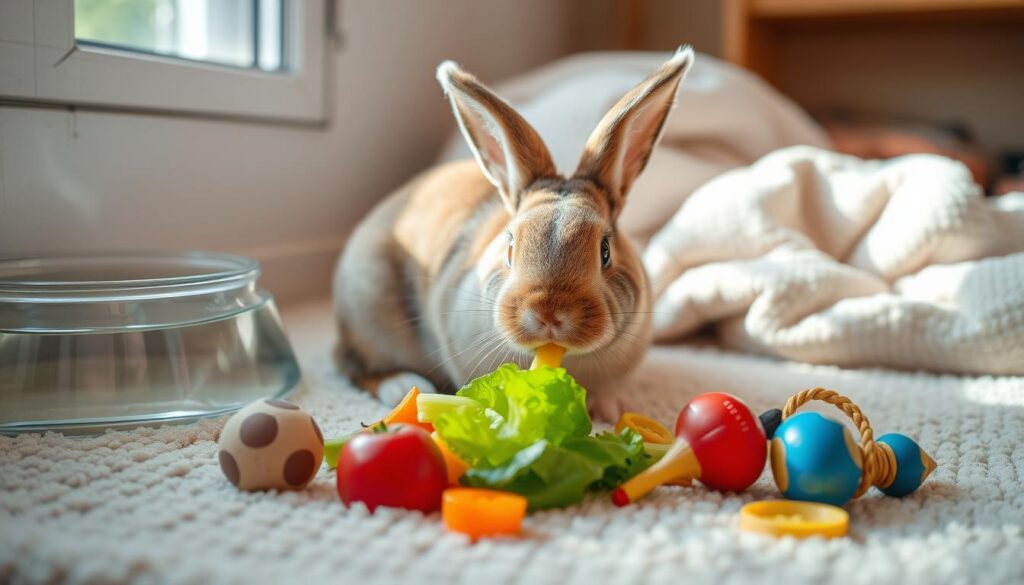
753 30
791 9
941 60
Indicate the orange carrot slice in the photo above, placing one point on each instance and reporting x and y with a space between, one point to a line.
405 413
548 354
480 513
455 466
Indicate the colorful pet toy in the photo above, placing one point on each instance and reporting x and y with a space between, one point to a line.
814 458
718 441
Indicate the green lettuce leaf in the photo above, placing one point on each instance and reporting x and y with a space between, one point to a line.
545 401
513 409
621 456
527 431
551 476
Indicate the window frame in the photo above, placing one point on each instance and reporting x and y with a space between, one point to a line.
41 62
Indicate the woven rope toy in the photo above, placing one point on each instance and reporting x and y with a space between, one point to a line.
814 457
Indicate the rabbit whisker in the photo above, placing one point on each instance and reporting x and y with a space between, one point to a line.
477 363
472 338
488 339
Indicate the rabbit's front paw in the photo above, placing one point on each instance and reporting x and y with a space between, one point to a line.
609 405
394 388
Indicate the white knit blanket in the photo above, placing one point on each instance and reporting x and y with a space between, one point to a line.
825 258
151 505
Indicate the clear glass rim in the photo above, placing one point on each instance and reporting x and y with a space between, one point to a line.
122 291
20 274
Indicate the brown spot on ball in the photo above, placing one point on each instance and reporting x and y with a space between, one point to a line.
282 404
316 429
258 430
298 469
229 466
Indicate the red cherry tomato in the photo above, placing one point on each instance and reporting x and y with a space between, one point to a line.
400 467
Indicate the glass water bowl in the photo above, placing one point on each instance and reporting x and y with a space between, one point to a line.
89 342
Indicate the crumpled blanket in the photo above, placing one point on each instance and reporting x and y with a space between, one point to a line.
824 258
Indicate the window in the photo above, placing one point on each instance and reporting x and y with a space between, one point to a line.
237 33
247 58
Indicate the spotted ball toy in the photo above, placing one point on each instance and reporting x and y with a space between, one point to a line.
270 444
814 458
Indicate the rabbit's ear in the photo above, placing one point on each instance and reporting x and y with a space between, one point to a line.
509 151
619 147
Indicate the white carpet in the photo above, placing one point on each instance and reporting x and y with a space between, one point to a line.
151 506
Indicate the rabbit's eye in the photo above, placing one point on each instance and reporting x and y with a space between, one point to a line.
606 253
508 257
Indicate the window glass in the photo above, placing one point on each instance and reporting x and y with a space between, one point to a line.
238 33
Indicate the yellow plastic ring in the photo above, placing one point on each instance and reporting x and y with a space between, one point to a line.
649 429
796 519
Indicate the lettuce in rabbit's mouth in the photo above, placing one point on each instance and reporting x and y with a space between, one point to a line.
528 431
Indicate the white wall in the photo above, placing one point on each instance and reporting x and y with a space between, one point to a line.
284 195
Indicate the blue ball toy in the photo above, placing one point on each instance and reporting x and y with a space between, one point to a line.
815 458
913 465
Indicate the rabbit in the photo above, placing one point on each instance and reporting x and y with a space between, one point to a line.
475 263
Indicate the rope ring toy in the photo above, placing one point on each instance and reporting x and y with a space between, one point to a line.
879 460
814 458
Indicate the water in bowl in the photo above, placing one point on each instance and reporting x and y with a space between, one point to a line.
124 378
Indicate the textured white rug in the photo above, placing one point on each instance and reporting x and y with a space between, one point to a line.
151 505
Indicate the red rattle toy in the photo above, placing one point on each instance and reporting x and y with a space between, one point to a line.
718 441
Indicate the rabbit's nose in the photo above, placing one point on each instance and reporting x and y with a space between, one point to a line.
541 319
547 318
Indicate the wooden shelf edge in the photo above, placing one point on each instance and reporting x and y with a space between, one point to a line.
793 9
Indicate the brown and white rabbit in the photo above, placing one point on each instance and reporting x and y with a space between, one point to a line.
473 264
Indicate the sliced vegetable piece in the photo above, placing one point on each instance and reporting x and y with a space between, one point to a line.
430 406
510 409
455 466
332 449
651 430
553 476
481 513
406 412
549 355
547 475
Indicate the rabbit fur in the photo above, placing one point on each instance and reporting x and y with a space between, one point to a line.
475 263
